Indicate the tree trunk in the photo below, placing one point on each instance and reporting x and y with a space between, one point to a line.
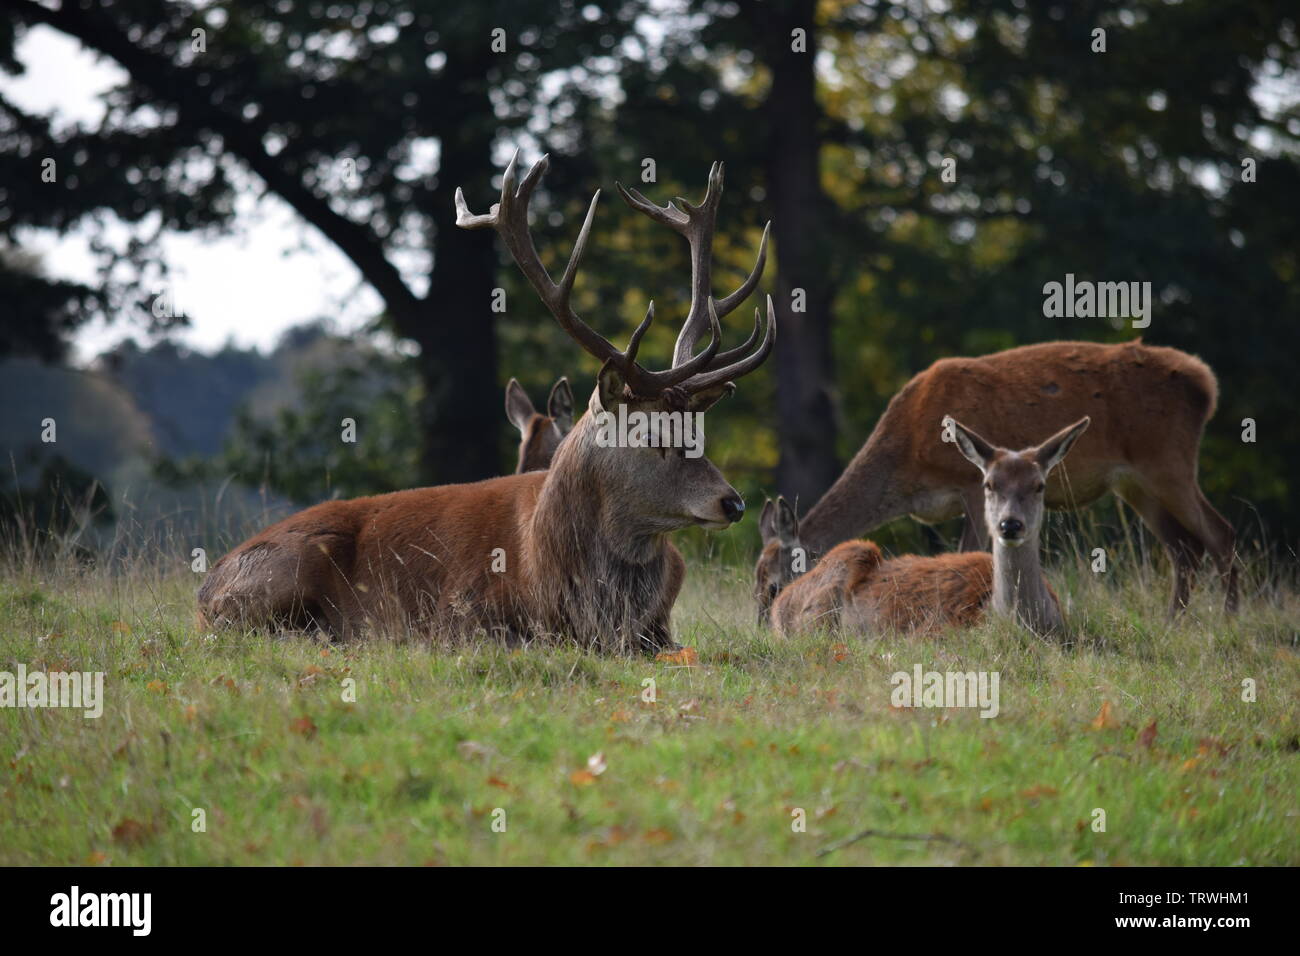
461 416
804 368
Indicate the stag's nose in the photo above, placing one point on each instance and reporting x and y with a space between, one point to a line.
1011 528
733 506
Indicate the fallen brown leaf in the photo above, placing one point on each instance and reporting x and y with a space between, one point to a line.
683 657
1104 720
130 832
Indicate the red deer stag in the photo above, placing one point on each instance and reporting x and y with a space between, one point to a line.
539 435
854 588
1148 406
578 551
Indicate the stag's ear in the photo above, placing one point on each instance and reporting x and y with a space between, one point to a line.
974 448
1049 453
519 409
560 406
787 525
610 386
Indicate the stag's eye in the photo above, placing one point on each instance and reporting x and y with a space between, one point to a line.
988 486
1039 489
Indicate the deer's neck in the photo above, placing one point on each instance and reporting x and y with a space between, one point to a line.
864 497
1020 590
594 571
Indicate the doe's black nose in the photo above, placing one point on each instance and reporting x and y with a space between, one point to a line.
733 506
1011 527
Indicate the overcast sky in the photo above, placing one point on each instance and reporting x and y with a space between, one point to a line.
248 288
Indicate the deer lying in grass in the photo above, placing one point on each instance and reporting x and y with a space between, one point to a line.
855 589
579 550
1148 405
539 435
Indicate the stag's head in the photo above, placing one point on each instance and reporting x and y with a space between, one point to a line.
539 434
782 557
642 440
1014 481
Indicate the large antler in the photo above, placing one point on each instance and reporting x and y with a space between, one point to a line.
697 224
690 372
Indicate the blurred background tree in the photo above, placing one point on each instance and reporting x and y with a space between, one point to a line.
836 120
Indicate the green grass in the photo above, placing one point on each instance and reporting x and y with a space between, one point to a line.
253 730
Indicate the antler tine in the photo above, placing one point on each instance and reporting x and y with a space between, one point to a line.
509 217
729 303
668 215
717 376
635 342
731 355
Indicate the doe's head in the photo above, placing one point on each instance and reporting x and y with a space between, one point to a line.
1014 481
539 435
781 549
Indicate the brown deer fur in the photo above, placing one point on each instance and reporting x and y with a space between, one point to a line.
852 588
1148 405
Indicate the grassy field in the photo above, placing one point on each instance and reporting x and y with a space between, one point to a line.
1133 717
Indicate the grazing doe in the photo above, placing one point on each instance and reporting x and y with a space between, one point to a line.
855 589
578 551
1148 406
539 435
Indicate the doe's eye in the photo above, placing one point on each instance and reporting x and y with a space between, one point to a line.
1040 487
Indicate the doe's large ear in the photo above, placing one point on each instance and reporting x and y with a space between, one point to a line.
787 524
973 448
1049 453
560 406
767 521
519 408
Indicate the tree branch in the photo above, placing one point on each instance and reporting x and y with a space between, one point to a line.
175 85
